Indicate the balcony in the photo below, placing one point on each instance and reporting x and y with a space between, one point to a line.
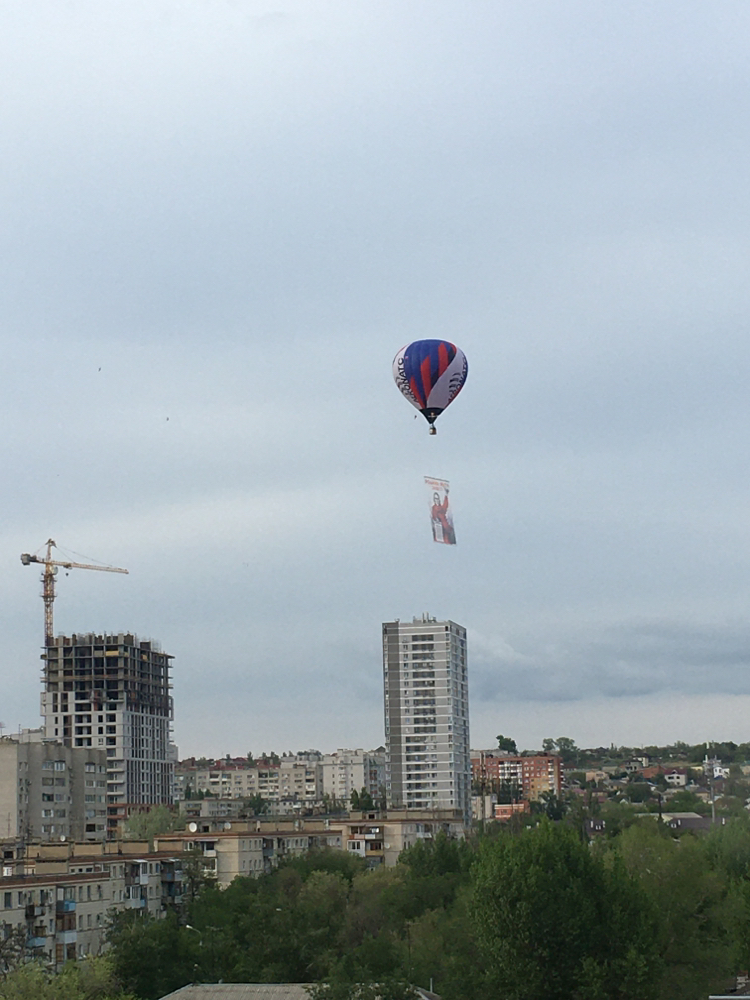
65 906
66 937
36 942
136 904
34 911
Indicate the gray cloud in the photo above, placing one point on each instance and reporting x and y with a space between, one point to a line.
626 659
219 226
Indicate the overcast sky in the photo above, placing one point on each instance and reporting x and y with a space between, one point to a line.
221 220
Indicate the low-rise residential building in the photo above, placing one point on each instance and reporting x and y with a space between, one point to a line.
252 847
676 777
505 811
522 777
288 784
62 895
381 836
348 771
47 908
636 764
597 776
483 807
249 849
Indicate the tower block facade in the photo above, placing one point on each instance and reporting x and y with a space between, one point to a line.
426 692
112 692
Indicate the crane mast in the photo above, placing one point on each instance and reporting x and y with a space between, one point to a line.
48 581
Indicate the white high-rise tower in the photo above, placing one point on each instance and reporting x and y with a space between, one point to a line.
426 690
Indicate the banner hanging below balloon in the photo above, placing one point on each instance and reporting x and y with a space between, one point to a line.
441 515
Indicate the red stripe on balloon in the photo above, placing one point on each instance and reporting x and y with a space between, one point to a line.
426 378
443 360
417 394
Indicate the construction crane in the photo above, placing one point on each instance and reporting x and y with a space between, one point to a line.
48 581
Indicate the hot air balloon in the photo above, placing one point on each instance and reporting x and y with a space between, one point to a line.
430 373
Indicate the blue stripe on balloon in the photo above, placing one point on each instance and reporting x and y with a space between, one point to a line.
416 353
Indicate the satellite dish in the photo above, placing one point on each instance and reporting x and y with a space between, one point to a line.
227 826
193 827
63 838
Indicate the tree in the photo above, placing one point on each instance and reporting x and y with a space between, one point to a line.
548 745
257 805
509 791
638 791
152 822
195 877
554 807
152 957
554 920
89 979
12 950
566 748
687 801
698 915
506 743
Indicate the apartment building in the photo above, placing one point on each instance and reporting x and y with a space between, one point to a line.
380 837
289 783
426 715
521 777
50 791
250 848
112 692
348 771
64 896
283 784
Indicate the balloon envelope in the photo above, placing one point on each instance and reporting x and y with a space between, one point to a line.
430 373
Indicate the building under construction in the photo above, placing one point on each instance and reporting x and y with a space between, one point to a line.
113 692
